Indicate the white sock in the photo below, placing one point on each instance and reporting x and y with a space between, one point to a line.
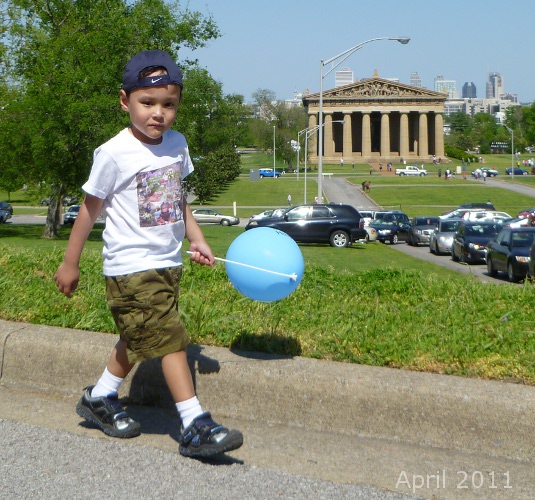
188 410
107 384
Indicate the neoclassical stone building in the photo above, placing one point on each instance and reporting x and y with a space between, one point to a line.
383 121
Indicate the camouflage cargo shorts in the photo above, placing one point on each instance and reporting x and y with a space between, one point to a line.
145 309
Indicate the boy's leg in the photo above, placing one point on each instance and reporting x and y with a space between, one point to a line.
201 436
100 404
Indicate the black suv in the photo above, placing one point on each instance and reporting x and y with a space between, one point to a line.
339 225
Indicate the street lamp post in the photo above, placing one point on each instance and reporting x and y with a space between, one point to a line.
274 172
512 151
343 56
309 131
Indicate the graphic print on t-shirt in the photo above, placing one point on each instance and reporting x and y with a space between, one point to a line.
159 195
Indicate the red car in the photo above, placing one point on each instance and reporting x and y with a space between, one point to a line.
524 214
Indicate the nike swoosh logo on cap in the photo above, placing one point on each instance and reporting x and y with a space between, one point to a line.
155 80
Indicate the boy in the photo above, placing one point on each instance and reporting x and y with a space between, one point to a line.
136 178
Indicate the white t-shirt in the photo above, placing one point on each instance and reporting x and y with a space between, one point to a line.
141 186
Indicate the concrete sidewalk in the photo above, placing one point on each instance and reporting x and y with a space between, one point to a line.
445 421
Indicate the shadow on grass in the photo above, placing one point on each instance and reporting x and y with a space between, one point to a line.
266 343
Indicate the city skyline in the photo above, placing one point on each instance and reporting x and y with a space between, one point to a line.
279 46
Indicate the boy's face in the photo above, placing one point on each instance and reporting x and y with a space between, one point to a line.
152 110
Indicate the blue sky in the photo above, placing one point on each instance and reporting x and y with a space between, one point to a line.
278 44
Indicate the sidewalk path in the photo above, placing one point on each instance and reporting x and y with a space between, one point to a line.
346 424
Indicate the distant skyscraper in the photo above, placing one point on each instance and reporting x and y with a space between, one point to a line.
344 76
447 87
416 81
469 91
494 87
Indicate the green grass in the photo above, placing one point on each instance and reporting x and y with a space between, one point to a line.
368 304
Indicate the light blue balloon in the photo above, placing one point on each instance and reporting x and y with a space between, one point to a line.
268 249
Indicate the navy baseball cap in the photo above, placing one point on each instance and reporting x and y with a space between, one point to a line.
132 78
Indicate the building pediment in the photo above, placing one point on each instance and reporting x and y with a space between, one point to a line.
375 89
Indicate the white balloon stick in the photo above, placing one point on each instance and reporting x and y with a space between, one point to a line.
292 276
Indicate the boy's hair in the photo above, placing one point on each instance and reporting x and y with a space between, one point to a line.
147 62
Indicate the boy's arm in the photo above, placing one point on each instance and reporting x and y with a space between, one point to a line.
202 252
68 272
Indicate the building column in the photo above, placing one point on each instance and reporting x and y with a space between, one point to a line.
439 135
313 138
404 135
423 149
348 137
328 142
385 134
366 136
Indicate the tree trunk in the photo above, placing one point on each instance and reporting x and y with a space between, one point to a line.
53 217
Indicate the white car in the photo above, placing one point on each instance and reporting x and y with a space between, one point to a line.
210 216
372 233
367 215
487 215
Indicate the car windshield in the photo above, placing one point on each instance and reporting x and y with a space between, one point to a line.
482 229
449 227
522 239
425 221
383 222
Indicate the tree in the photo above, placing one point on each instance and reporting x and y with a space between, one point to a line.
287 123
70 56
209 119
212 173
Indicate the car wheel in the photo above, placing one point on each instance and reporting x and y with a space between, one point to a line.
225 222
454 257
339 239
394 239
490 270
511 276
437 251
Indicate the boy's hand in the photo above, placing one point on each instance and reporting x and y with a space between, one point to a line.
67 278
201 253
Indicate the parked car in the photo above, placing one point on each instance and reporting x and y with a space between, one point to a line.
517 222
339 225
4 216
391 226
261 215
67 200
70 215
5 205
470 240
459 213
268 172
487 205
371 233
211 216
523 213
487 215
367 215
421 229
441 240
509 252
517 171
487 172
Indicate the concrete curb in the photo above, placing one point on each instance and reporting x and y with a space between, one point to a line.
493 418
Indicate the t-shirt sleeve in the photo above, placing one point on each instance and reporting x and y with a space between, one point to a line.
103 177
